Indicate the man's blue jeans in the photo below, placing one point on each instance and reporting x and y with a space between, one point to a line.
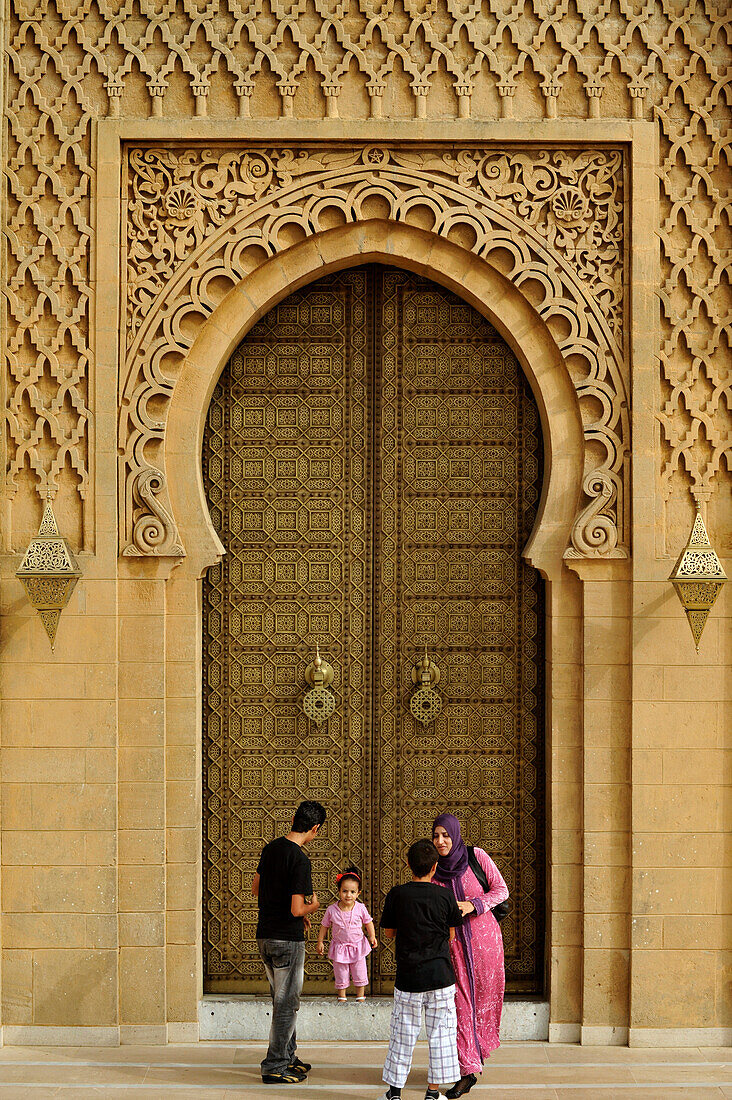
284 962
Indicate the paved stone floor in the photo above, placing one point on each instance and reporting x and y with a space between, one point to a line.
217 1071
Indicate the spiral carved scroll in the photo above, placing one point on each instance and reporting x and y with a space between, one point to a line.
153 530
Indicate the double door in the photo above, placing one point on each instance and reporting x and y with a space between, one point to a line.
372 461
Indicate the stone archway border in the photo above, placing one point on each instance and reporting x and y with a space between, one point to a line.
403 246
211 231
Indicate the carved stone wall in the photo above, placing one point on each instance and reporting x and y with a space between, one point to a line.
199 219
71 63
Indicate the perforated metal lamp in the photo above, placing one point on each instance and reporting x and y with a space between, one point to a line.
49 573
698 578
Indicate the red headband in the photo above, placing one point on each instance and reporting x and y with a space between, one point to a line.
347 874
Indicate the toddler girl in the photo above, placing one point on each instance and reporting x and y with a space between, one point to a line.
348 918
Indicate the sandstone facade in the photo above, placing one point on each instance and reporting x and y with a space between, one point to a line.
171 173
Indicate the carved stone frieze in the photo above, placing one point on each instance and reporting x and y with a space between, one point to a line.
194 217
178 199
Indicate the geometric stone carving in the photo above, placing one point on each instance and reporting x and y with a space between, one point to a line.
66 68
551 219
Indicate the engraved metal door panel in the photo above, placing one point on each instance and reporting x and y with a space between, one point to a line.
458 467
372 461
287 469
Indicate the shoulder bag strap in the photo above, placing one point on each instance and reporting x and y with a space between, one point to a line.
477 869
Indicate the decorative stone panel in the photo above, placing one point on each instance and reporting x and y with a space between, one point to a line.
199 219
69 64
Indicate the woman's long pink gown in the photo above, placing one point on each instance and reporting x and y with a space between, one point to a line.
477 958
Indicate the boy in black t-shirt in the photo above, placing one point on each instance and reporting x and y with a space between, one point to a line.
423 917
282 883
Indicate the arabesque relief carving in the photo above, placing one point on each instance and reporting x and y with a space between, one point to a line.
178 199
552 220
69 66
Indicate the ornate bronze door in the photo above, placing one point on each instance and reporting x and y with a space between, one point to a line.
372 461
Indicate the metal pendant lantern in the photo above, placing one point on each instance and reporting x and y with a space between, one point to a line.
698 578
49 573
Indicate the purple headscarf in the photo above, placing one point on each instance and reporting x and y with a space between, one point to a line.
454 865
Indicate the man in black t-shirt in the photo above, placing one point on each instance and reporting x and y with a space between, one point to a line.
281 886
423 917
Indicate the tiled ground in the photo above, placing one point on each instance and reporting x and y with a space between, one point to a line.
215 1071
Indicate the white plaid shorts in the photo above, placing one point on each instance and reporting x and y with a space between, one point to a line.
441 1026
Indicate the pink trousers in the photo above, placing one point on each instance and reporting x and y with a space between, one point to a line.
345 973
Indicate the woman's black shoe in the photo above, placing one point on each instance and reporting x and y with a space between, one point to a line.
464 1085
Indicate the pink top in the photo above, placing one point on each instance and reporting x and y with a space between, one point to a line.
348 941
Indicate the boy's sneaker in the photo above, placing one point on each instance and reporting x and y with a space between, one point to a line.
286 1077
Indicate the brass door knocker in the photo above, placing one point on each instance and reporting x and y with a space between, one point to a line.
426 703
319 703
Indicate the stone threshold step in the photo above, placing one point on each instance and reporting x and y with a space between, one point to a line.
226 1017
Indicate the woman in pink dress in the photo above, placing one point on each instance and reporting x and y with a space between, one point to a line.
477 950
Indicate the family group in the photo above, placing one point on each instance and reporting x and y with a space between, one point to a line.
448 946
